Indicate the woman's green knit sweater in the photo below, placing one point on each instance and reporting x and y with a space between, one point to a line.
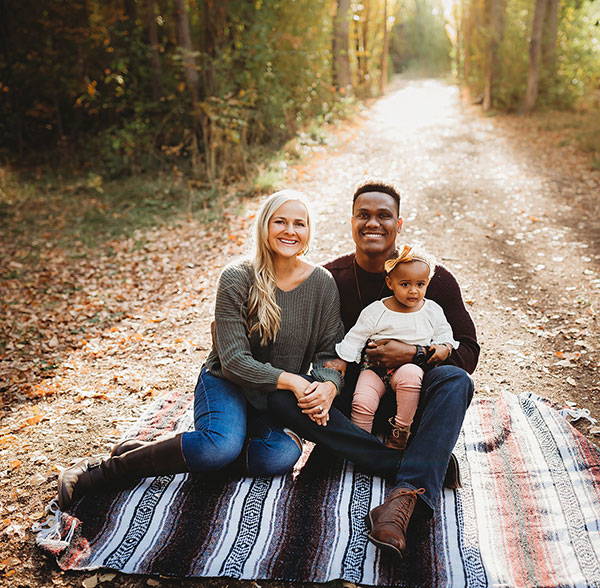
310 328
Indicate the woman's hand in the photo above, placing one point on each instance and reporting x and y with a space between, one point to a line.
441 351
317 401
293 382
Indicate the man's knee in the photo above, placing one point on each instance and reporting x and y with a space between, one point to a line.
451 379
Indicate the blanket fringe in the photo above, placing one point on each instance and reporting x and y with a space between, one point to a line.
574 414
49 534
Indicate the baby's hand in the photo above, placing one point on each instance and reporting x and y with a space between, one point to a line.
441 351
336 364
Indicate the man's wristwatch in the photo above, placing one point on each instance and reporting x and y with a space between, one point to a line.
420 356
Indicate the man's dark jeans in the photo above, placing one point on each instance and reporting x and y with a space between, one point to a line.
445 396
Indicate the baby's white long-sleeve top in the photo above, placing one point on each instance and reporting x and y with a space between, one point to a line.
425 326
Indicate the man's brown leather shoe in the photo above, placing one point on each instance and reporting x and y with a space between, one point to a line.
389 521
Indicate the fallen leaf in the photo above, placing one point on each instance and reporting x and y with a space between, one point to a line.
37 416
7 440
90 582
41 391
37 479
9 562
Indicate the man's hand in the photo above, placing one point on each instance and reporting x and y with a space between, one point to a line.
441 351
317 401
389 353
336 364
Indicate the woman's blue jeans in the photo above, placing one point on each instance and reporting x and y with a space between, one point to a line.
228 428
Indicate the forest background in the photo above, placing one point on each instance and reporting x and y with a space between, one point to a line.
124 114
196 95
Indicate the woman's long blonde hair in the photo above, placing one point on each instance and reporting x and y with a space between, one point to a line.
264 314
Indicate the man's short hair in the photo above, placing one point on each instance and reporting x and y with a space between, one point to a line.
377 186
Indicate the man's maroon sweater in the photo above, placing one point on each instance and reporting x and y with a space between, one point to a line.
359 288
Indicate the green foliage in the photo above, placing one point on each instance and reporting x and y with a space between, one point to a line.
576 72
419 41
82 84
272 72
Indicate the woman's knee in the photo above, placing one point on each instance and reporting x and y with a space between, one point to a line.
273 456
204 451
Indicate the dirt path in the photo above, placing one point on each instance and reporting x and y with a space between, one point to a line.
511 217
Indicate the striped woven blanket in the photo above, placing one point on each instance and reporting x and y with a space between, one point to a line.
528 514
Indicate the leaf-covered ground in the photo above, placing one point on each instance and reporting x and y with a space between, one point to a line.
92 335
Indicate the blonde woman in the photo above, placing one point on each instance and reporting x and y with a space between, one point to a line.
275 315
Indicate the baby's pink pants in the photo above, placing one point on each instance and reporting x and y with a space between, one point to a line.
406 384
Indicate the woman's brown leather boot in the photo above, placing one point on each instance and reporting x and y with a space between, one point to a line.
156 458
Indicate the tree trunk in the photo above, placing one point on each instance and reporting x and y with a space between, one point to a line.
214 18
495 26
385 50
535 49
152 31
466 28
549 39
190 68
342 77
363 64
131 12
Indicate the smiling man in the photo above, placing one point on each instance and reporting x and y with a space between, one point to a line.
419 472
360 277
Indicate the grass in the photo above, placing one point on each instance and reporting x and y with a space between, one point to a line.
76 211
581 128
269 179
